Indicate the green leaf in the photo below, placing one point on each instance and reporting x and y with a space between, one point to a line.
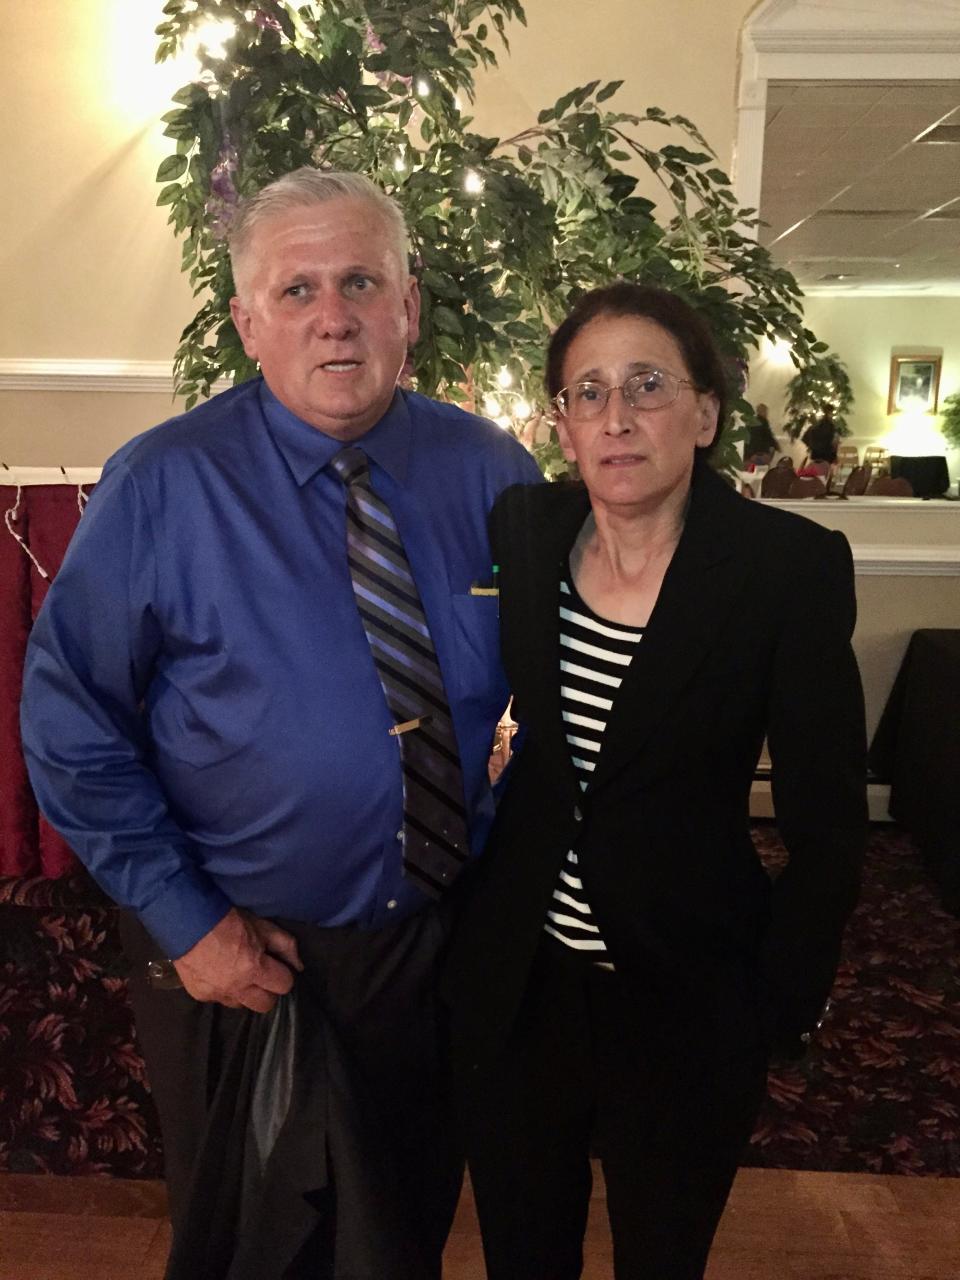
169 194
447 320
609 90
442 285
172 167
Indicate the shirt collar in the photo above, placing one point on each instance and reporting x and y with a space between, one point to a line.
307 450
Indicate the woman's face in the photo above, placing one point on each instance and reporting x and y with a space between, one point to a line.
633 458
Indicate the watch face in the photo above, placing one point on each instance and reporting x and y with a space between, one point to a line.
162 975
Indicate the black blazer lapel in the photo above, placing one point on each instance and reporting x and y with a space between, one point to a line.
701 586
533 544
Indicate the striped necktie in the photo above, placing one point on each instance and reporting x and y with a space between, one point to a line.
435 841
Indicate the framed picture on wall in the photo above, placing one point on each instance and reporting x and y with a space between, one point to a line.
914 384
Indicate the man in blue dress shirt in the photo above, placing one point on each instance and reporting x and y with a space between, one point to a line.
204 722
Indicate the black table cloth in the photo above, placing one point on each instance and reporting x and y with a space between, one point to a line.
928 474
917 749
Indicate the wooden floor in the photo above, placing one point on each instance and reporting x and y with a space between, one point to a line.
779 1225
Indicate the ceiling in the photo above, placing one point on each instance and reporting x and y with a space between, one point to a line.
861 185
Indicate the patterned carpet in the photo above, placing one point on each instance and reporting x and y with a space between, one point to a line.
880 1093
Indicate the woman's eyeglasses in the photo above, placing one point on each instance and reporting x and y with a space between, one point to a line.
652 389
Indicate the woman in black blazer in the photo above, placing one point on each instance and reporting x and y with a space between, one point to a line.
623 967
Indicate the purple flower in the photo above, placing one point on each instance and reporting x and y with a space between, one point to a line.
374 43
266 21
223 194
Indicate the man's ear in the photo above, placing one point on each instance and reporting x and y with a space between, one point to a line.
411 304
243 323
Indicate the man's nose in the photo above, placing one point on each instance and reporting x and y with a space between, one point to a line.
334 317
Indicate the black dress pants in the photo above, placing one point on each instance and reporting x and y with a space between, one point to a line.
377 993
669 1113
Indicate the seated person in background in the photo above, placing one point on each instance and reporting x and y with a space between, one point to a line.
761 442
821 441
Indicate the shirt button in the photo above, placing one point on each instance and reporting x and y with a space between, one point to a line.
391 904
577 815
400 834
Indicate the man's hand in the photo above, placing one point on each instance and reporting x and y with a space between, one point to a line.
242 962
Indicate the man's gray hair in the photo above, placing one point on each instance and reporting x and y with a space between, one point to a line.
307 186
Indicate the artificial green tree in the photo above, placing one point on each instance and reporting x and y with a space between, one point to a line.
823 380
506 232
950 420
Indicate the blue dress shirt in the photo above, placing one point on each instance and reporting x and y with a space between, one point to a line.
202 719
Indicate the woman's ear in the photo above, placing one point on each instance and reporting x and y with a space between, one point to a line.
709 411
566 441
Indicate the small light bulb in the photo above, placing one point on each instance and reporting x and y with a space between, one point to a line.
504 422
211 37
423 88
505 377
493 244
522 409
491 407
472 183
399 164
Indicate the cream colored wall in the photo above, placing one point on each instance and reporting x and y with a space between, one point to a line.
90 269
680 55
863 332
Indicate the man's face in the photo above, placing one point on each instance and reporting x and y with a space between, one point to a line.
328 310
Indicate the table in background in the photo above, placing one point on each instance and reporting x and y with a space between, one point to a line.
917 749
928 475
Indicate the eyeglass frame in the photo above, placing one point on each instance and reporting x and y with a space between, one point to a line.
592 382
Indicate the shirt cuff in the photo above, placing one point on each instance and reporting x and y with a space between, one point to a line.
187 907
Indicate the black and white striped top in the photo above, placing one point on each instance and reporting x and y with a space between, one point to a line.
594 657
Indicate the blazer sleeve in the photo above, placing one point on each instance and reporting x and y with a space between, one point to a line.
817 741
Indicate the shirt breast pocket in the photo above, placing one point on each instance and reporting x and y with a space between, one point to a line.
480 678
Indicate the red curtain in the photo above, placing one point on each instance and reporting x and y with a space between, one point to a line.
45 519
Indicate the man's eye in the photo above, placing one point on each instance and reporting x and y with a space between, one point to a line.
360 284
587 392
295 291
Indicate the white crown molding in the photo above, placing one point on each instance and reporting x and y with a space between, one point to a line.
26 476
142 376
860 43
906 562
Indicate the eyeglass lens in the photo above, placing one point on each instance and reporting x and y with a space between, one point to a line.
652 389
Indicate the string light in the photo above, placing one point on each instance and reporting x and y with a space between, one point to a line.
492 407
399 164
423 88
472 183
522 409
210 38
505 377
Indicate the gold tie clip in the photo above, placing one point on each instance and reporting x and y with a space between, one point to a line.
408 725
